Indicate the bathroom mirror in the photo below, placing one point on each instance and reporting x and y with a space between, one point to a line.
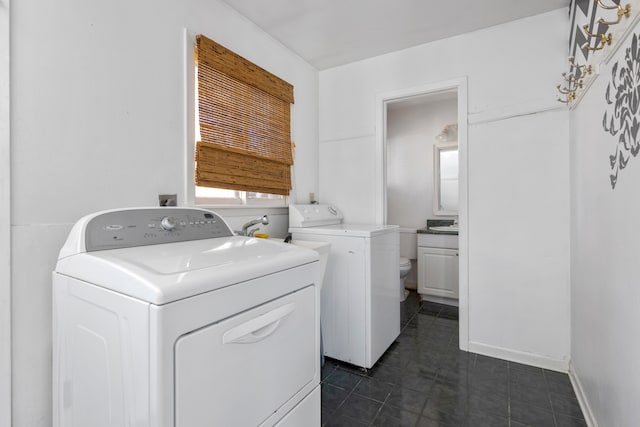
445 178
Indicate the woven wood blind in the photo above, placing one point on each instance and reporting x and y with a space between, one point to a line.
244 115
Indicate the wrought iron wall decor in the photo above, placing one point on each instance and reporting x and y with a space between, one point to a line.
622 116
590 34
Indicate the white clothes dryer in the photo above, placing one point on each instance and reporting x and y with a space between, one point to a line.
162 317
360 302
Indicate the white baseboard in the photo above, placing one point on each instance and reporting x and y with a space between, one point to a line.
440 300
559 365
582 397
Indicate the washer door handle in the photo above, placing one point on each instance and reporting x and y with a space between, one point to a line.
258 328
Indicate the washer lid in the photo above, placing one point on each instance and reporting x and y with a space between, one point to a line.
355 230
163 273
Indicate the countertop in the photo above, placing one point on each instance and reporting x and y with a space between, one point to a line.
437 223
426 230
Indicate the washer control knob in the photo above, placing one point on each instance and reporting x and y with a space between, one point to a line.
168 223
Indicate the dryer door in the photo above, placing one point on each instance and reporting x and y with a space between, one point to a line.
239 371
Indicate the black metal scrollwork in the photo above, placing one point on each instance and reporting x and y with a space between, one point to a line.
622 116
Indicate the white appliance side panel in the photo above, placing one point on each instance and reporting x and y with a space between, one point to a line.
100 356
383 317
307 413
343 303
353 230
238 371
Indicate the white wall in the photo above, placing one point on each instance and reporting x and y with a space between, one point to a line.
411 131
5 221
512 71
519 238
605 280
98 123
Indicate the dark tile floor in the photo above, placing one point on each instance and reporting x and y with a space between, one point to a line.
424 380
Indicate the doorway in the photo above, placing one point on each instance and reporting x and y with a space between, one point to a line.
5 222
456 88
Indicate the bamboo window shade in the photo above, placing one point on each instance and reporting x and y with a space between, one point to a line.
244 116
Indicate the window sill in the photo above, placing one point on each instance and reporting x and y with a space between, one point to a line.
244 210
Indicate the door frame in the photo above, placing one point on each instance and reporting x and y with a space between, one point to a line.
5 218
460 86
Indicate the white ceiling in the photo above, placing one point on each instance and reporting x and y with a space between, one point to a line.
328 33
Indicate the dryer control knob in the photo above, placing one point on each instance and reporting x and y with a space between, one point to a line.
168 223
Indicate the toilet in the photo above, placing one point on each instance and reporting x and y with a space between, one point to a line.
408 251
405 268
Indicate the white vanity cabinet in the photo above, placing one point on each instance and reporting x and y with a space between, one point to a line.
438 265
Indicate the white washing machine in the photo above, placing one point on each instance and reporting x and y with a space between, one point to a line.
360 303
162 317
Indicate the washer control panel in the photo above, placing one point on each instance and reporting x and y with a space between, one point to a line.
313 215
140 227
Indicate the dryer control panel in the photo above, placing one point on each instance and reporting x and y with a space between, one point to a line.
149 226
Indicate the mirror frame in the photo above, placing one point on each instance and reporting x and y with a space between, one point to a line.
437 148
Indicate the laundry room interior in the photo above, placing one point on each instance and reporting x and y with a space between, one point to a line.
98 112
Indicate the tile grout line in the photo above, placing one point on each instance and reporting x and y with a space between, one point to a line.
509 394
553 409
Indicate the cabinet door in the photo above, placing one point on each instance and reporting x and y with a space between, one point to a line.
438 272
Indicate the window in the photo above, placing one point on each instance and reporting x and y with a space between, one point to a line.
243 151
217 196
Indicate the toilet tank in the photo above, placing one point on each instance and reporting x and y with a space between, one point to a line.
408 242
